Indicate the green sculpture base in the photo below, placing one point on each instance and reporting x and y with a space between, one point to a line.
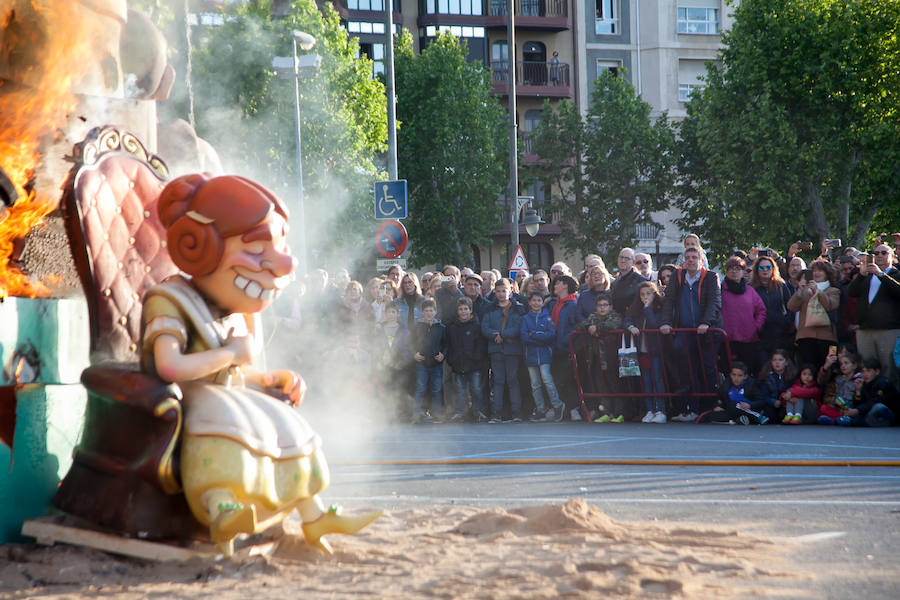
49 419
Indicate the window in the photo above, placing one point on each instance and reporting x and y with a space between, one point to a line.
606 21
375 52
500 60
459 31
365 5
453 7
690 73
532 120
608 65
698 16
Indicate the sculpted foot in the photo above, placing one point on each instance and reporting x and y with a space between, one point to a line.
333 522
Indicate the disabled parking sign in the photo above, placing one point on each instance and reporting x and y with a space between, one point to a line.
391 200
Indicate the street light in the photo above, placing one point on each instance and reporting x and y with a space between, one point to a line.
300 64
531 221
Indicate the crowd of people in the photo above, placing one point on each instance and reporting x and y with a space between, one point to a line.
773 340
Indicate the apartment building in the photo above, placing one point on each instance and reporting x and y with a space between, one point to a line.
661 46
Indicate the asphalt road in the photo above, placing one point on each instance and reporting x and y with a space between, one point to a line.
847 516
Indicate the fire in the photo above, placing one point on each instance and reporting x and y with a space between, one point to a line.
47 45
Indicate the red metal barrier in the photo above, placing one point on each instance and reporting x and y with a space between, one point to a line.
684 384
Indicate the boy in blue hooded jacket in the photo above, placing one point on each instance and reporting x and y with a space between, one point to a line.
538 335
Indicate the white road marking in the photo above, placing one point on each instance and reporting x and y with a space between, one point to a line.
817 537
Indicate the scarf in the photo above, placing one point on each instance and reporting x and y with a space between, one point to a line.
557 308
736 287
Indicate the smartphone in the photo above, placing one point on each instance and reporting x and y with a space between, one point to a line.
805 245
866 259
763 252
833 243
807 274
832 350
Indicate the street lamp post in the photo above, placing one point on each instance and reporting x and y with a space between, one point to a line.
306 42
531 221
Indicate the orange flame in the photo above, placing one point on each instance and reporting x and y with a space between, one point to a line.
18 373
49 52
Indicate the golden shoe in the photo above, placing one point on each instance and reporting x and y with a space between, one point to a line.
232 521
332 522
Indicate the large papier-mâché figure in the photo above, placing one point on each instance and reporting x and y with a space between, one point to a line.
247 457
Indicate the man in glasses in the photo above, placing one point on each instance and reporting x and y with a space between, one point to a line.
643 264
624 288
877 287
559 268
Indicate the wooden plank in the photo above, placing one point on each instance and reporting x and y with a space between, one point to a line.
48 530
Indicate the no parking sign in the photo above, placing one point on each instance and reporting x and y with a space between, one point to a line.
391 238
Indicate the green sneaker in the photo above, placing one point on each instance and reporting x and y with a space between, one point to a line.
603 419
619 419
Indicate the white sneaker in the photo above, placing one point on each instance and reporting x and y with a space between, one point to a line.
680 418
648 418
691 417
575 415
659 417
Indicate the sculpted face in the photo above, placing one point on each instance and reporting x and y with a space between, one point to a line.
255 267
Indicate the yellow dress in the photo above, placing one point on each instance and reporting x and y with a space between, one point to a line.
236 438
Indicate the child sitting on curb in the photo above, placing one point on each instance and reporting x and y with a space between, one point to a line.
740 402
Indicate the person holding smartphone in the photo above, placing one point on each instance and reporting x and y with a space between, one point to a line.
877 288
816 292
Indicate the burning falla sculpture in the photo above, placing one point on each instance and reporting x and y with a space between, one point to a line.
247 458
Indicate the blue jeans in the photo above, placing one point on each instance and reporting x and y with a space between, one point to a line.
505 369
878 416
653 384
425 374
539 375
472 381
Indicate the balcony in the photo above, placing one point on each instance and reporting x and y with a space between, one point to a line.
646 232
534 79
531 14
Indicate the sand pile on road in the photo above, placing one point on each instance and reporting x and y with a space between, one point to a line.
572 550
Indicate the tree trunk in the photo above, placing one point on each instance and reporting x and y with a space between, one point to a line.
862 226
843 224
817 211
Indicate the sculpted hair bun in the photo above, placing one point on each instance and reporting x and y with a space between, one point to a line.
199 213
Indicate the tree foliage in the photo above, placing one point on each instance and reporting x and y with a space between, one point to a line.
613 168
451 149
798 127
248 113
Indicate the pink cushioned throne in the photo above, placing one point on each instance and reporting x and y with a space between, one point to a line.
124 474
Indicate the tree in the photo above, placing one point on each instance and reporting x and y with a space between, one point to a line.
612 169
451 149
248 114
798 127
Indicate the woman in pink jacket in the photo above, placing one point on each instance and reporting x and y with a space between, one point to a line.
743 315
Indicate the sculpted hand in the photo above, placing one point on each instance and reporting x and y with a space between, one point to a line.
289 383
241 346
